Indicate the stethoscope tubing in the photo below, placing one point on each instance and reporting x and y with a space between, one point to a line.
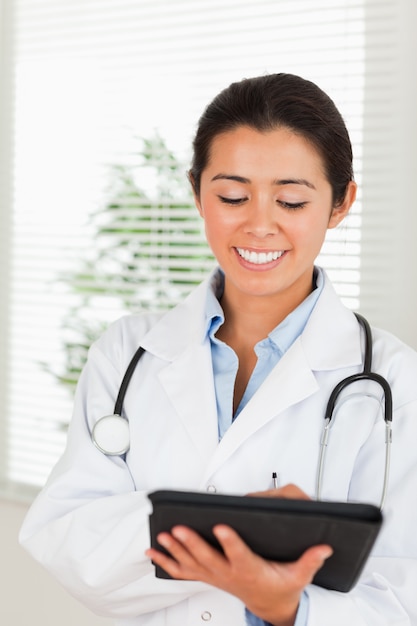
366 374
118 407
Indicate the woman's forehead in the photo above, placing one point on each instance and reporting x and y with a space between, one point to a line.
280 154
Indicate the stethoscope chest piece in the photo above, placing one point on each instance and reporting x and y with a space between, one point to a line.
111 435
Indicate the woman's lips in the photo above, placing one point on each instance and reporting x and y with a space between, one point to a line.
259 258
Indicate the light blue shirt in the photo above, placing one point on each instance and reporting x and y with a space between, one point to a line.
269 351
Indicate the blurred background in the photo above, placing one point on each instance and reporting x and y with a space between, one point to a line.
99 101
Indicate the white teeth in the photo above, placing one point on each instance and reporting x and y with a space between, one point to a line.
259 258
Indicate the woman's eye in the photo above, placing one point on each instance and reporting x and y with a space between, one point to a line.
292 206
227 200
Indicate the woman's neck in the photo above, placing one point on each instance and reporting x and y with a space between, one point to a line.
249 319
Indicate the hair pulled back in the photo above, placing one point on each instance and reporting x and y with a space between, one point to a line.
274 101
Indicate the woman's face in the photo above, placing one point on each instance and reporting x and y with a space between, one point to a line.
267 204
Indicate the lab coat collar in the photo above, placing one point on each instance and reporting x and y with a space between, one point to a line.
329 340
183 326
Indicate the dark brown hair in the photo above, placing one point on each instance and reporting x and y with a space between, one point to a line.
272 101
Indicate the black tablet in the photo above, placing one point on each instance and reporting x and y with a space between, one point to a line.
277 529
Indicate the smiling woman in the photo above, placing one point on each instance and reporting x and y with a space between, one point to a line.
269 185
230 392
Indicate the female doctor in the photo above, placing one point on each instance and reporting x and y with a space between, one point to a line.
232 387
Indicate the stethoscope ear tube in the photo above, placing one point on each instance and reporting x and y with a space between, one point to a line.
380 380
366 374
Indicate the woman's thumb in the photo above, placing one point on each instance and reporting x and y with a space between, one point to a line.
312 560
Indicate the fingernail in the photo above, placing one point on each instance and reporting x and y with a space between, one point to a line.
179 533
326 553
221 532
163 539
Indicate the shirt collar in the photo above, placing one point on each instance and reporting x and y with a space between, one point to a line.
214 312
283 335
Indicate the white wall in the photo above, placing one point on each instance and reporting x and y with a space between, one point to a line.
29 596
402 310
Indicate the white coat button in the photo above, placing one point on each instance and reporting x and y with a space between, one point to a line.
211 489
206 616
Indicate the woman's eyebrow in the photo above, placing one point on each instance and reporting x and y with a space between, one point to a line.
278 182
295 181
238 179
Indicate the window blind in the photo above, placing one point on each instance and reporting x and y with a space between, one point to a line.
107 94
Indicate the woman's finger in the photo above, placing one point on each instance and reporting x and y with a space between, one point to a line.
191 557
288 491
233 546
175 547
165 562
195 545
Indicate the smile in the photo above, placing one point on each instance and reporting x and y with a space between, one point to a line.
259 258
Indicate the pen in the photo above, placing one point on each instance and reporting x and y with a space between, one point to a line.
275 480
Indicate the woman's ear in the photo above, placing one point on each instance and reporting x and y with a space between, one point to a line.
340 211
195 194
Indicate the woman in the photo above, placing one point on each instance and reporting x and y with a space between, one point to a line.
232 387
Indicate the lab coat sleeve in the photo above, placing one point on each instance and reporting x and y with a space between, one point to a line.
378 603
89 526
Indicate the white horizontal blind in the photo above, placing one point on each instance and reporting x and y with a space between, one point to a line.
94 78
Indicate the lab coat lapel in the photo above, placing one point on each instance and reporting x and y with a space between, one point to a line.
188 383
291 381
179 338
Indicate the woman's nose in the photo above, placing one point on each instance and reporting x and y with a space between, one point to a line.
262 218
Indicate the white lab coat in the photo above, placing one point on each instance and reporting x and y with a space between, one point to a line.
89 526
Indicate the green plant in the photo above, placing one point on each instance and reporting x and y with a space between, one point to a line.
148 252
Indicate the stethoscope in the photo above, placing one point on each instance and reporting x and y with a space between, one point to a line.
112 437
366 374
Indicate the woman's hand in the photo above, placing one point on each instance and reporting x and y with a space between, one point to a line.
288 491
268 589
